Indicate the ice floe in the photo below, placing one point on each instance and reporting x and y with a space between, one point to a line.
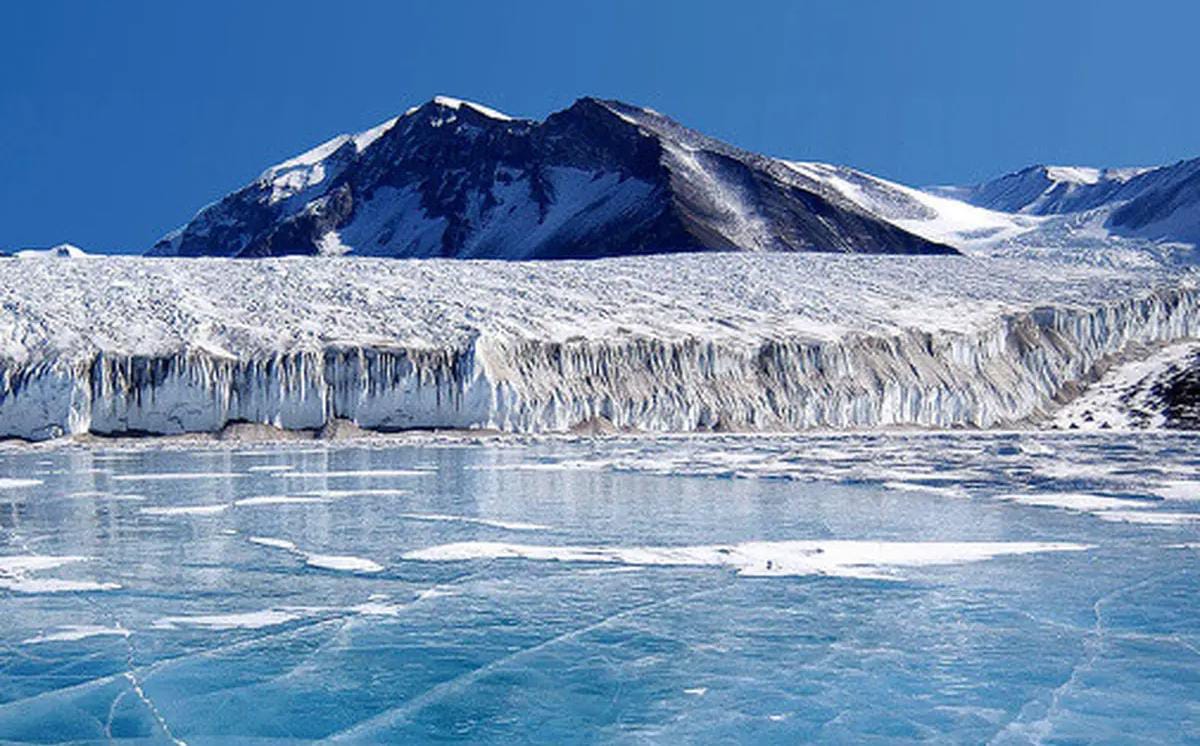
186 509
1178 490
249 502
363 474
15 571
342 563
1075 501
335 562
490 522
174 476
273 543
842 558
1150 518
242 620
955 492
338 494
12 483
75 632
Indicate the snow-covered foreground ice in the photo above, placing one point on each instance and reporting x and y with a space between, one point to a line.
963 588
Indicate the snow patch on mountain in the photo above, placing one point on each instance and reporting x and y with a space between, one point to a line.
60 251
1146 392
458 103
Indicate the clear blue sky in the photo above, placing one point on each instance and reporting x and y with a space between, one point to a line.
119 119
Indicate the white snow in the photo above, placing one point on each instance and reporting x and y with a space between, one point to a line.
851 559
1074 174
1073 501
13 483
295 176
335 562
1155 518
456 103
353 474
490 522
1178 490
273 543
952 492
15 573
339 494
948 221
175 476
343 563
249 502
238 620
76 632
187 510
1115 401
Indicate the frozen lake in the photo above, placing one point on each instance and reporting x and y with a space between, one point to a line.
959 588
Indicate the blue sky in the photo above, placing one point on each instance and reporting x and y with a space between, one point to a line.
119 119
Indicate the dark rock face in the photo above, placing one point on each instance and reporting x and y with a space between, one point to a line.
600 178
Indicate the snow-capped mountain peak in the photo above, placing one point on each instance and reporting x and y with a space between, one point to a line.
600 178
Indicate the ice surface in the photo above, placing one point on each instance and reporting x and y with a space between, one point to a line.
249 502
851 559
15 571
231 636
1178 490
12 483
1083 503
335 562
267 541
75 632
171 477
247 620
369 473
918 487
342 563
491 522
1157 518
212 509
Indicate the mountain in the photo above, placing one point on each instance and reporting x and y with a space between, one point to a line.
601 178
1158 204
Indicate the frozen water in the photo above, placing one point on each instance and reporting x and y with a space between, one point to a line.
959 588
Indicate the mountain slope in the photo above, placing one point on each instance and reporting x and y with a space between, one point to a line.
601 178
1156 204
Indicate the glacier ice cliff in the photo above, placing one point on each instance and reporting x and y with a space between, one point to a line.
712 342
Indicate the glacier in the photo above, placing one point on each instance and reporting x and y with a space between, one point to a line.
731 342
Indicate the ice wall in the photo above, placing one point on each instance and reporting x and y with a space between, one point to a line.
1000 374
